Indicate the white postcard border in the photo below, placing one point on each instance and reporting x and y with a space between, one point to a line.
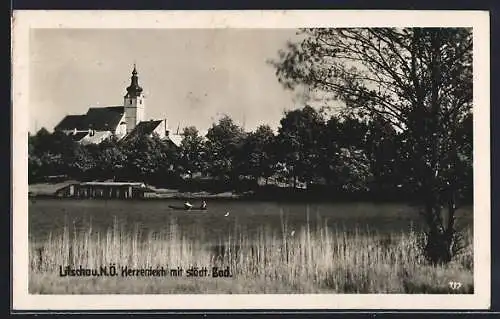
23 21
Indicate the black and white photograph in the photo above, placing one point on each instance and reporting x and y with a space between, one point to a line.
249 156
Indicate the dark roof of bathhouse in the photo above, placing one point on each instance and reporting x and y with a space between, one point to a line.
143 128
137 184
104 118
70 122
97 118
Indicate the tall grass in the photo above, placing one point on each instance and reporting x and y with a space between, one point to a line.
315 258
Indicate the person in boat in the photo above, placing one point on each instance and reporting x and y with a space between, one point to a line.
203 205
187 205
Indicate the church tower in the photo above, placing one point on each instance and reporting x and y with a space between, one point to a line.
133 103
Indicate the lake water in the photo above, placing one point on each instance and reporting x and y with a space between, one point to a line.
51 215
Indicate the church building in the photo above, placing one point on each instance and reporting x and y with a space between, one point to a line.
124 121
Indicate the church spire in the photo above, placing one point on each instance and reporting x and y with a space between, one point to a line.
134 89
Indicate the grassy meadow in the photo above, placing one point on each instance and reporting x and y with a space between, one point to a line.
314 258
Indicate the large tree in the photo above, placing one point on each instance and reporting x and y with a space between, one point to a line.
300 141
381 147
224 143
192 152
419 80
345 154
110 157
148 158
50 154
259 155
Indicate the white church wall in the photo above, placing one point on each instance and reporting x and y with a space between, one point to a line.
134 111
96 137
160 129
130 114
121 129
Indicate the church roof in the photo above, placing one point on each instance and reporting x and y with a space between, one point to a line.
79 136
97 118
104 118
70 122
143 128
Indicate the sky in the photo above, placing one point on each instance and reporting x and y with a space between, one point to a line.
189 76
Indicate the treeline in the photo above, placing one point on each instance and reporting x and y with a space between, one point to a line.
324 154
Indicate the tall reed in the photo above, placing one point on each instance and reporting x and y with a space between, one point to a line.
308 259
